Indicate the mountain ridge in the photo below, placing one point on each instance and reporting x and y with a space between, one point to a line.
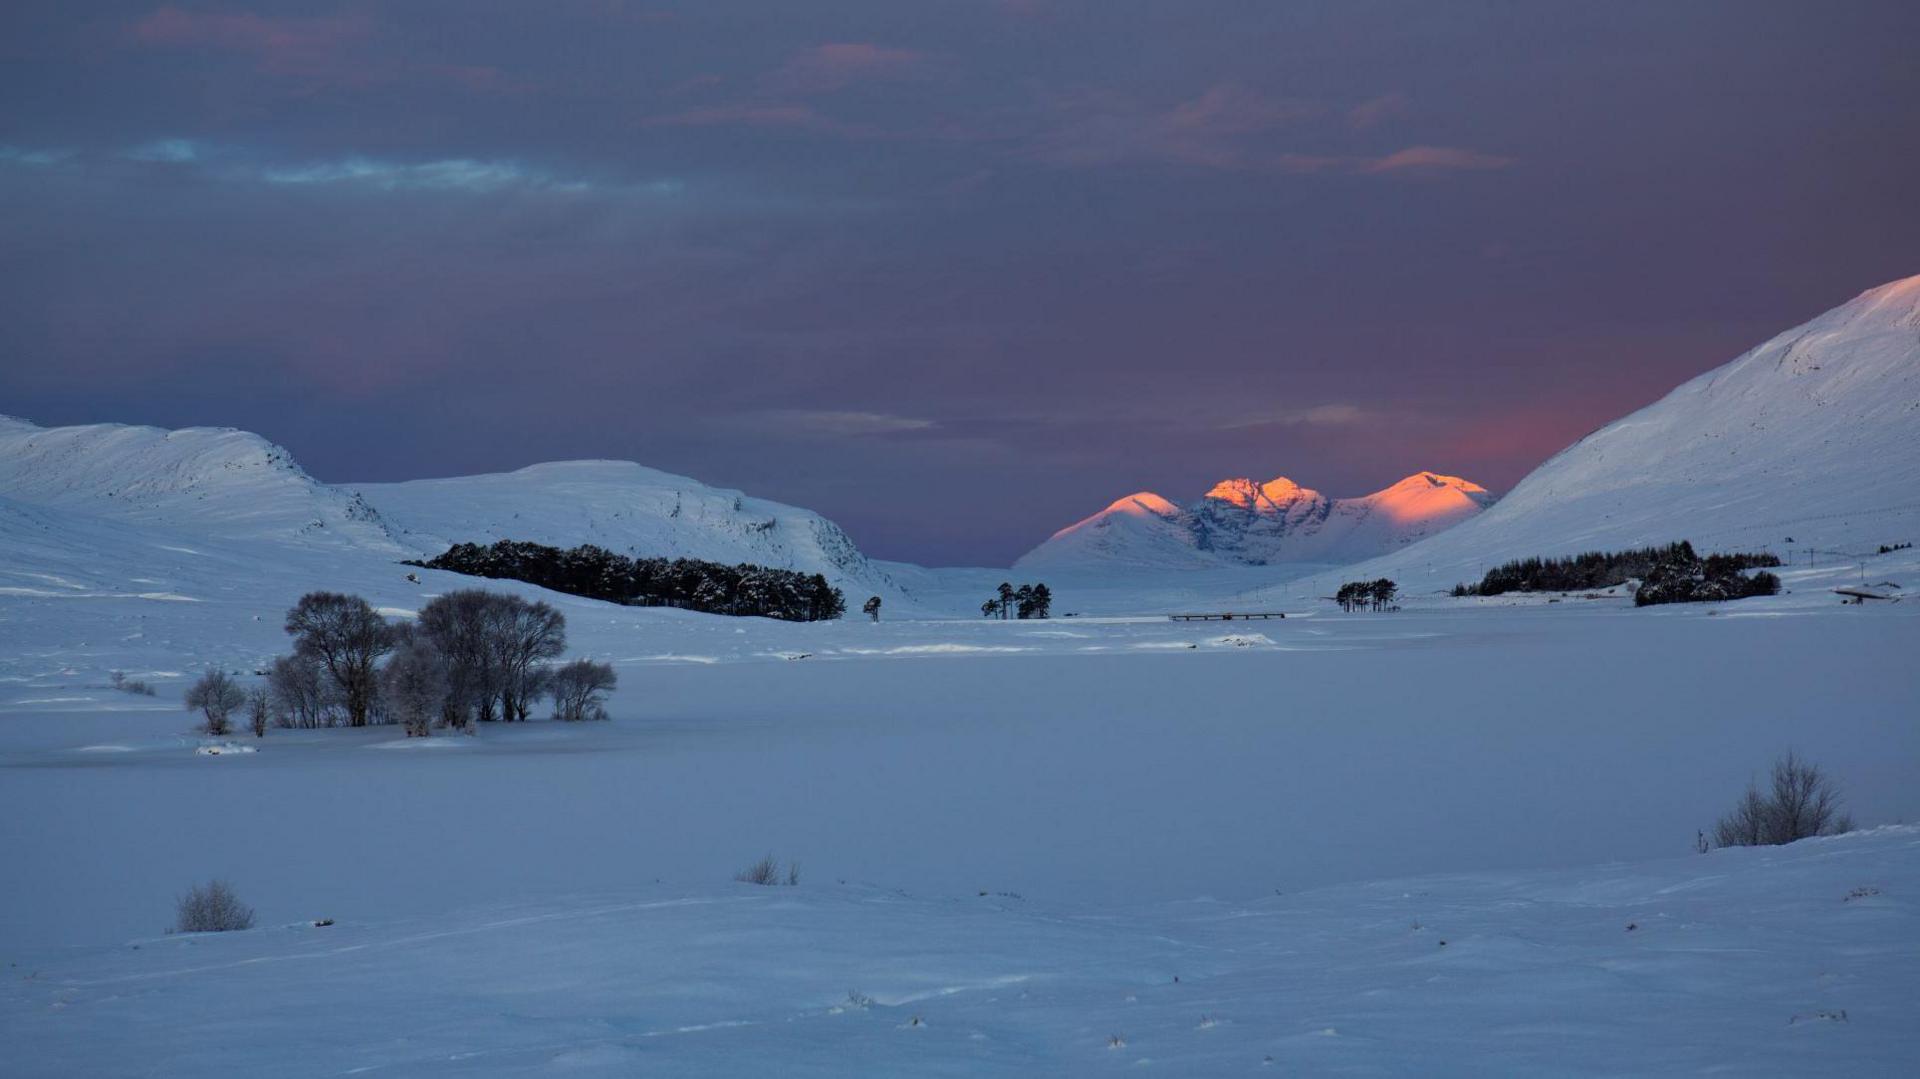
1806 445
1242 522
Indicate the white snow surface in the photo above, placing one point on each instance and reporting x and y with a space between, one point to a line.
1130 793
1808 446
1243 523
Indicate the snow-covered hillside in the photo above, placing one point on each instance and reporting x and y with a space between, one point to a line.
109 500
628 509
1808 446
1244 523
217 481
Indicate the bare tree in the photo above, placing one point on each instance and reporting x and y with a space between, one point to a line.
413 685
259 709
216 697
300 693
213 908
1801 801
577 689
524 635
457 624
348 638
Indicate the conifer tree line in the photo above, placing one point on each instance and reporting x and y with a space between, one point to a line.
690 583
1373 595
1026 601
1608 569
471 656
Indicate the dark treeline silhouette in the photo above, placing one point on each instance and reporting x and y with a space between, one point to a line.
1607 569
1373 595
1026 601
597 573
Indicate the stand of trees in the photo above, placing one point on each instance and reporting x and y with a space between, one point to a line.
1373 595
1607 569
597 573
471 656
1026 601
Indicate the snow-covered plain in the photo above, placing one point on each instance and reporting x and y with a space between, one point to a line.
1139 799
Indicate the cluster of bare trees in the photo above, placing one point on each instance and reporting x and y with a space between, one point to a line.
471 656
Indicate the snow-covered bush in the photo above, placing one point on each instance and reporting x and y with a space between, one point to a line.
578 689
216 697
212 908
1800 802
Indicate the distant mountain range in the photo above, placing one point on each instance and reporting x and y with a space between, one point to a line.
1240 522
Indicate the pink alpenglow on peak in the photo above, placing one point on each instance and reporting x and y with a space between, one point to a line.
1240 523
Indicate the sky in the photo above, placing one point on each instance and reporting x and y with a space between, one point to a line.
954 274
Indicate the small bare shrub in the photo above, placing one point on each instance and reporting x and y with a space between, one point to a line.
763 872
212 908
766 872
130 685
1801 801
216 697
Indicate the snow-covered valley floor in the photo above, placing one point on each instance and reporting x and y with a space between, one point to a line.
1138 799
1773 961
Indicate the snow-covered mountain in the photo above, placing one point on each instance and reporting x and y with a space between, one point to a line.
1808 446
1240 522
625 508
120 490
218 481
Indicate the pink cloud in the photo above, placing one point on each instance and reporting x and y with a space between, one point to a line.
1436 159
826 68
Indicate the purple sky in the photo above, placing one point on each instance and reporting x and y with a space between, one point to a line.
954 274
